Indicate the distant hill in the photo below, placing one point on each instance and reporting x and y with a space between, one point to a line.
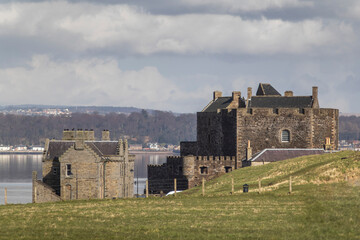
74 109
349 127
138 127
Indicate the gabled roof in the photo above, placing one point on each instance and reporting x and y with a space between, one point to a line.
102 148
266 89
280 102
219 103
57 148
278 154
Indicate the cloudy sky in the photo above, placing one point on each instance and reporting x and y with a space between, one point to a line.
171 55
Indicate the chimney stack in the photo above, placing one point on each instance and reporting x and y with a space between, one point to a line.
315 97
289 94
249 93
236 95
105 135
217 94
248 151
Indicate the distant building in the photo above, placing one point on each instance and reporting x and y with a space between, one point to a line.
5 148
20 148
79 167
231 128
135 147
37 148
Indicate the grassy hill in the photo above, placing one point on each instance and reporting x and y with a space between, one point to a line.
324 204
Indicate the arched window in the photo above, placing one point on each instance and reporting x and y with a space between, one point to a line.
285 136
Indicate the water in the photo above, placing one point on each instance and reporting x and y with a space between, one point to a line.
16 174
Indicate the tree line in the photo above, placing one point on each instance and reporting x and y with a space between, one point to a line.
349 128
138 127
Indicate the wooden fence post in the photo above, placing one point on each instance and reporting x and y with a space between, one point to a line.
35 194
232 184
259 185
5 196
203 186
147 188
290 185
175 187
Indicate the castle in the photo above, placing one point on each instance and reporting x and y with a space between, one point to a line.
231 128
79 167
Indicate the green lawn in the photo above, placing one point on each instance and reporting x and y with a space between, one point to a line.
322 206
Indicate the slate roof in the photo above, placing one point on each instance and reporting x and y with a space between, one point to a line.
266 89
278 154
102 148
221 102
57 148
281 102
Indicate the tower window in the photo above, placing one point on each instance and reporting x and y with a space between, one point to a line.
203 170
68 170
285 136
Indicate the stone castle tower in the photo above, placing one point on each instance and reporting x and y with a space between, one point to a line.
230 129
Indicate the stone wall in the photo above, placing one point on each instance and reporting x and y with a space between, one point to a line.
188 170
51 174
86 178
209 167
42 192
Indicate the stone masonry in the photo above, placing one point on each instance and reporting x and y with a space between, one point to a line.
79 167
227 126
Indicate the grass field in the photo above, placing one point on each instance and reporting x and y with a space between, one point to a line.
322 206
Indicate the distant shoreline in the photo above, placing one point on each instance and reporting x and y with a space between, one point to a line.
131 152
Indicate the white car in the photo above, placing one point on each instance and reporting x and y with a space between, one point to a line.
172 193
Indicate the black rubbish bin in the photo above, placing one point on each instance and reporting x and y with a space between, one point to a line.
245 188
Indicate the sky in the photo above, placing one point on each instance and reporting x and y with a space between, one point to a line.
171 55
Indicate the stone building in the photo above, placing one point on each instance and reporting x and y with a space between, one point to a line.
79 167
228 125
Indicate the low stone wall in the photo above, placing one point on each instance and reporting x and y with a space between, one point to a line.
43 193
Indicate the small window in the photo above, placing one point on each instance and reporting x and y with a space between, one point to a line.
275 110
68 170
302 110
228 169
285 136
55 170
203 170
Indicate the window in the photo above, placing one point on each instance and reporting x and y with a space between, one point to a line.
276 110
68 170
55 170
203 170
228 169
285 136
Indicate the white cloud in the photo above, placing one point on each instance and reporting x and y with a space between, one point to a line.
93 82
123 29
246 5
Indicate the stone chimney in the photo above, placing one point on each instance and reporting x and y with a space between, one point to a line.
217 94
236 95
105 135
248 151
288 94
249 93
315 97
